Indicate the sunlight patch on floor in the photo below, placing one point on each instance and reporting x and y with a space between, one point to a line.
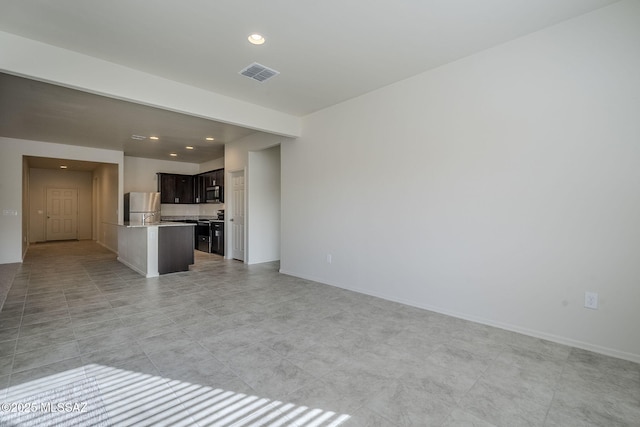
134 398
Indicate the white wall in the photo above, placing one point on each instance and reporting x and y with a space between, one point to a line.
140 174
510 180
236 153
11 185
39 181
264 205
110 203
211 165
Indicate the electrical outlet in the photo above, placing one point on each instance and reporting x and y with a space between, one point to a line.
591 300
329 258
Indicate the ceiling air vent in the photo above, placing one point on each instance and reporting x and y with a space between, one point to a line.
259 72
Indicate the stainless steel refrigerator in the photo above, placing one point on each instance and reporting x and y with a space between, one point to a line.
141 208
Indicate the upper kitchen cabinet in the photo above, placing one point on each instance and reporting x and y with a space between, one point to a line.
198 188
220 177
209 187
176 188
167 187
184 189
214 178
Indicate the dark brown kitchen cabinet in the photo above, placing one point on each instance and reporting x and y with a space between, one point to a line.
176 188
204 184
184 189
167 187
198 188
175 249
206 180
214 178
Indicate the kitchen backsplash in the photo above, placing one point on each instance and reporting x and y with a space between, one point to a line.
210 209
204 209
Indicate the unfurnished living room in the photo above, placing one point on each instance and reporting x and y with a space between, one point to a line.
294 213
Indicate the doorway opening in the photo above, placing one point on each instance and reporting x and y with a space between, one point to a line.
68 199
254 207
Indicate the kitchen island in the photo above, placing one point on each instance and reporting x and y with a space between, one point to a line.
156 248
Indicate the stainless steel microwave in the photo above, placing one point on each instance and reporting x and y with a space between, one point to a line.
213 194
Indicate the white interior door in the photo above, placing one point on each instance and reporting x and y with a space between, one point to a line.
237 215
62 214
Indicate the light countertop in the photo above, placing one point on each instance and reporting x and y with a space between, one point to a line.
158 224
191 218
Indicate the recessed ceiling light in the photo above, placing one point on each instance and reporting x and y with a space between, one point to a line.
63 167
209 138
138 137
256 38
188 147
155 138
174 154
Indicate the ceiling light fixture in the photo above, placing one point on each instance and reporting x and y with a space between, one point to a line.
256 39
63 167
138 137
188 147
209 138
155 138
173 154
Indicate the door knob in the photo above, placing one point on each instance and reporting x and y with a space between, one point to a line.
231 219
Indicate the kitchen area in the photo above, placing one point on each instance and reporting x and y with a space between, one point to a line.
162 229
202 189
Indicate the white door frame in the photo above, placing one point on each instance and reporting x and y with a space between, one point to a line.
94 208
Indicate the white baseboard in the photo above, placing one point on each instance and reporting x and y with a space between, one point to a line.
115 251
509 327
136 269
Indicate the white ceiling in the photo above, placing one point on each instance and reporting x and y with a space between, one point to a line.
326 51
71 165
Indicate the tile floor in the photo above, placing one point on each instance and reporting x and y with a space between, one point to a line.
230 344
